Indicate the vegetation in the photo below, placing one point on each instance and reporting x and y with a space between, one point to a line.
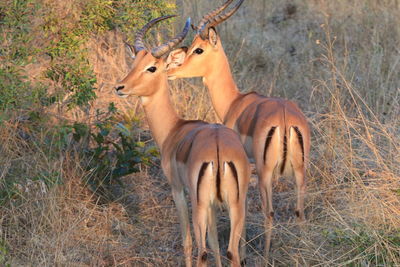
49 121
80 183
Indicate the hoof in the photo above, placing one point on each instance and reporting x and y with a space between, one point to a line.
300 219
229 255
204 257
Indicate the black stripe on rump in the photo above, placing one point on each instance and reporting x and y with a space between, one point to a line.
268 141
284 152
235 174
201 175
301 142
218 171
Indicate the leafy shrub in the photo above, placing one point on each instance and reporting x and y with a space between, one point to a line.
114 152
75 78
15 92
109 147
15 30
131 15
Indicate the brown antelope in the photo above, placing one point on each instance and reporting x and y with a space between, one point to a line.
208 159
274 131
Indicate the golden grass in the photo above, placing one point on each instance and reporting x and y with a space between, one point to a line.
339 60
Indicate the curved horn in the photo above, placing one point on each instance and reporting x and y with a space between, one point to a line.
139 45
218 19
161 50
212 14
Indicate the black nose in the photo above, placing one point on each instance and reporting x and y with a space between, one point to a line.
119 87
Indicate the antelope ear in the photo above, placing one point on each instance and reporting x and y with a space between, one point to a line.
176 58
130 50
212 36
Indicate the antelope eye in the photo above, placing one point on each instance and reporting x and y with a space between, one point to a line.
198 51
152 69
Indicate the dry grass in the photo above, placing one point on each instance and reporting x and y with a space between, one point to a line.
339 60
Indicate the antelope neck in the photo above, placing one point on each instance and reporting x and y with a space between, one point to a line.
221 86
161 115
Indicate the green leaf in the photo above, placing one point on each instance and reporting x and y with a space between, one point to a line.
140 144
122 129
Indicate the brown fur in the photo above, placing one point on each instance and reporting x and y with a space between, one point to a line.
192 152
252 116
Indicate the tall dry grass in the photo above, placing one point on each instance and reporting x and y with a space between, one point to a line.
339 60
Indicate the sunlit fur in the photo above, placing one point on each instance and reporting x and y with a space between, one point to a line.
253 116
208 159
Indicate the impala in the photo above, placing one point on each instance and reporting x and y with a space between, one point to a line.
274 131
207 159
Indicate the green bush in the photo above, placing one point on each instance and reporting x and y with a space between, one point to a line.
44 67
31 32
16 36
76 78
16 92
63 39
115 152
131 15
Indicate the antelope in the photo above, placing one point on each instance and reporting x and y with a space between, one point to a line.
207 159
274 131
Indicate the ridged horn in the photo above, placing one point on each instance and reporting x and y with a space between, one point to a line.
214 21
139 45
161 50
212 14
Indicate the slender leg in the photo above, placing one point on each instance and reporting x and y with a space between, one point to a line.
213 235
299 154
181 206
243 243
265 184
200 229
299 174
237 216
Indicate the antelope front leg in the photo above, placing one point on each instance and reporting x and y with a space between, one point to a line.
181 206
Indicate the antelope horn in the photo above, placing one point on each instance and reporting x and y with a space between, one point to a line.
212 22
139 45
212 14
161 50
